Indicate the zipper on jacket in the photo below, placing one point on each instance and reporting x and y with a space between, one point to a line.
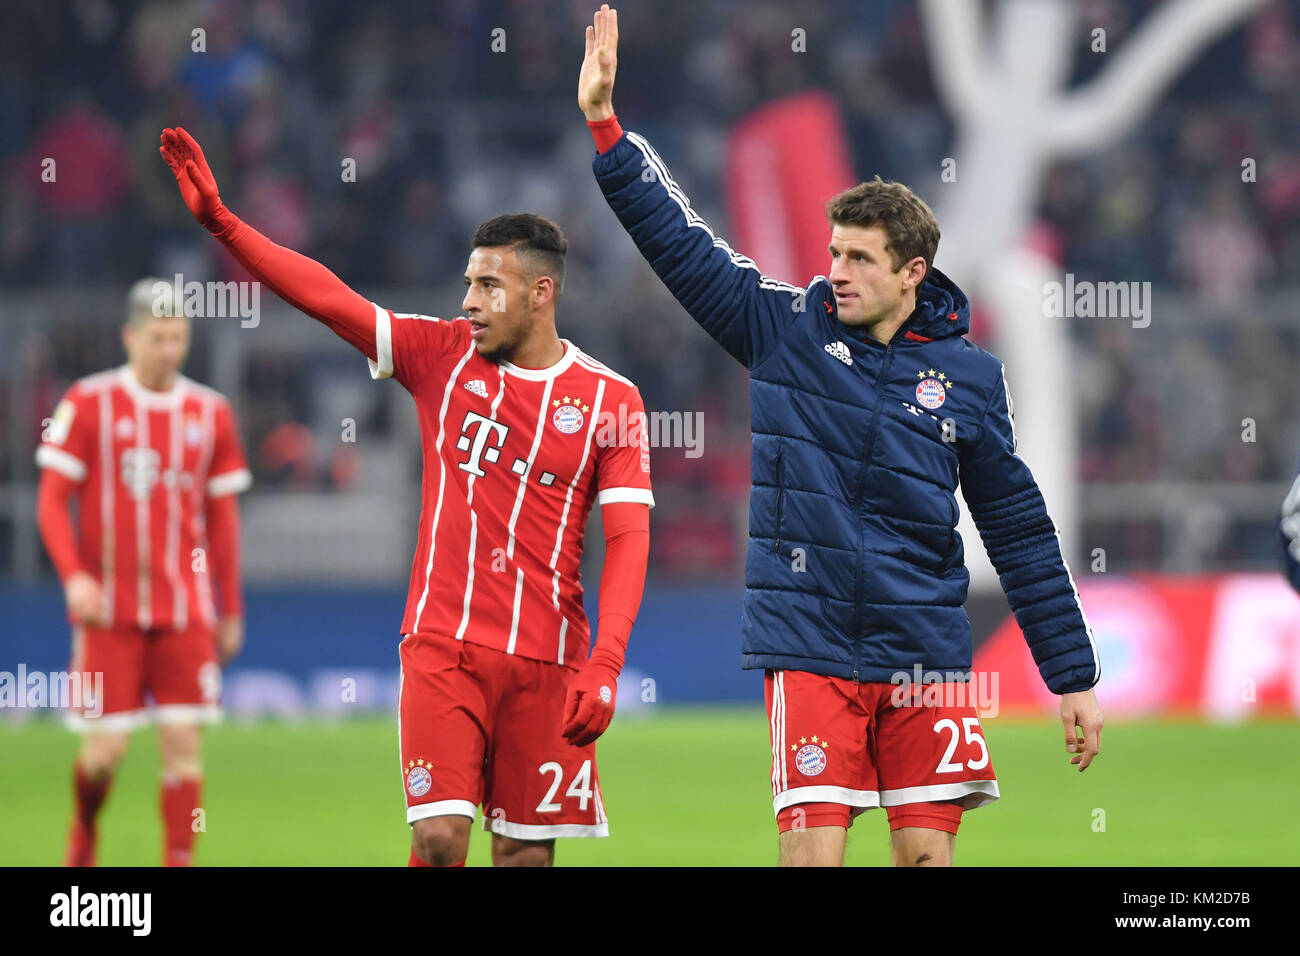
780 495
881 376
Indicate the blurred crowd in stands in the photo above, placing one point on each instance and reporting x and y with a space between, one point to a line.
445 133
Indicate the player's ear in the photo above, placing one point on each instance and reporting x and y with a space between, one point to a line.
543 291
914 273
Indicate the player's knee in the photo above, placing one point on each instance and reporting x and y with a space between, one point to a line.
922 857
101 753
920 847
178 747
816 846
508 852
441 841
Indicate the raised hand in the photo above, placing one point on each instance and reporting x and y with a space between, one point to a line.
596 81
197 184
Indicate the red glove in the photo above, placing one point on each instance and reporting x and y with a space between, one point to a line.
198 185
589 701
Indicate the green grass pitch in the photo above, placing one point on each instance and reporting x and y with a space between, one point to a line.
683 787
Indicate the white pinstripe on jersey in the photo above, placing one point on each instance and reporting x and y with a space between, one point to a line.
442 480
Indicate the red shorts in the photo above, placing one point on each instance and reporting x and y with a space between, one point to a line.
479 726
839 748
177 670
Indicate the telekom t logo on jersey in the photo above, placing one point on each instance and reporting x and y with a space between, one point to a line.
140 470
485 429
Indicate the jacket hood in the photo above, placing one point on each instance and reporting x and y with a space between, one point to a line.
942 309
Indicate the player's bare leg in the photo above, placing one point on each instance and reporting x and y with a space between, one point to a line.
182 779
814 846
921 846
510 852
441 841
97 761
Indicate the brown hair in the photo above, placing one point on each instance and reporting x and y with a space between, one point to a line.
910 226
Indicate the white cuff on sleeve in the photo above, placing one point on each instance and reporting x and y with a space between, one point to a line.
231 483
382 365
55 459
640 496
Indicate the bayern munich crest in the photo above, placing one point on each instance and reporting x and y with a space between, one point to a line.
932 390
418 780
568 416
810 760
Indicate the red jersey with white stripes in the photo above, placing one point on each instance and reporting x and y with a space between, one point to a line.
147 462
514 459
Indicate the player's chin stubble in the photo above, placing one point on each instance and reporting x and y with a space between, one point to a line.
502 352
510 339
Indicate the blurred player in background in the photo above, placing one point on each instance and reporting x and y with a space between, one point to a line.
854 573
153 463
522 434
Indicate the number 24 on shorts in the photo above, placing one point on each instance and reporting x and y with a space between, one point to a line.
580 788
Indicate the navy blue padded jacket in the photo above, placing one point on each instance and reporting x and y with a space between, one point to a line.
854 565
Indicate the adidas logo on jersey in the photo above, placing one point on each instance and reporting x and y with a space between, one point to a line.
478 387
840 351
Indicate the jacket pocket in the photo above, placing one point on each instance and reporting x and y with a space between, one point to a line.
780 495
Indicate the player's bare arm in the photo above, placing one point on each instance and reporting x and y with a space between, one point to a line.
596 81
1080 711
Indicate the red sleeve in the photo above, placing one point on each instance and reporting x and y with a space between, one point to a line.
54 499
68 438
228 473
223 545
622 579
606 133
394 347
409 346
623 470
304 283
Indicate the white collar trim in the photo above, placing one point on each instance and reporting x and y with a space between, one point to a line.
545 374
150 398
